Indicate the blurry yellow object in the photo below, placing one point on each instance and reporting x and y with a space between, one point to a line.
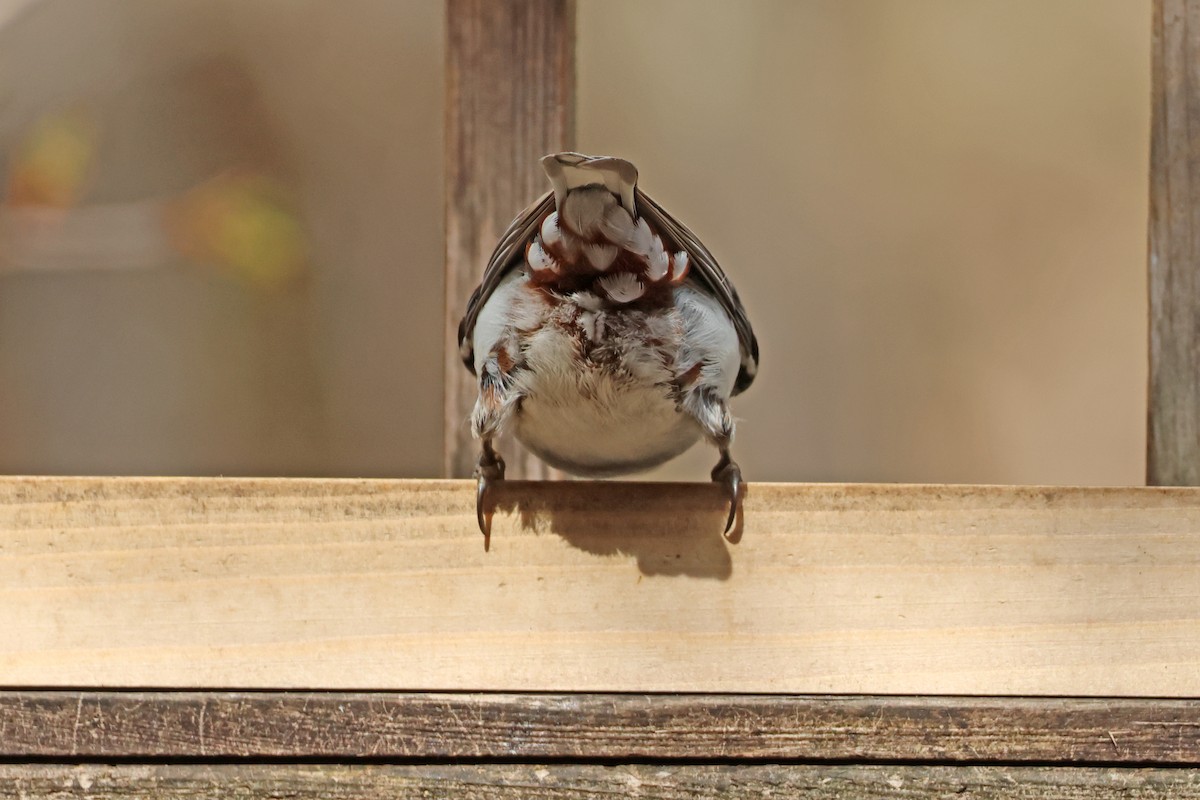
52 164
242 223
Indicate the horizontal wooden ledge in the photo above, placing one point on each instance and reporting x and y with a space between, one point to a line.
550 781
357 584
98 725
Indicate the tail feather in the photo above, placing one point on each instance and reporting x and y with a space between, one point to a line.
568 171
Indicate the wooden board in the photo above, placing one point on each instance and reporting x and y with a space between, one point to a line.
345 584
582 727
510 99
1173 435
341 782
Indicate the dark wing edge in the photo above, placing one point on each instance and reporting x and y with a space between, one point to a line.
506 255
706 270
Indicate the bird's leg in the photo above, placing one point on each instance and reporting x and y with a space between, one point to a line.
711 411
497 402
729 473
489 471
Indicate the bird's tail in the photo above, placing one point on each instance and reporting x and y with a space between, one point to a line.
568 171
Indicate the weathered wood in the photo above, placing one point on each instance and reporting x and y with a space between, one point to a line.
1173 431
97 725
340 782
510 99
349 584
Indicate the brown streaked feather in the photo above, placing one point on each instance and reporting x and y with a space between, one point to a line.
706 271
703 268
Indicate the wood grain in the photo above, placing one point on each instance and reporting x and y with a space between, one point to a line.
1173 434
613 727
348 584
341 782
510 99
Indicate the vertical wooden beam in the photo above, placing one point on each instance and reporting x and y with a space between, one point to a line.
1173 425
510 99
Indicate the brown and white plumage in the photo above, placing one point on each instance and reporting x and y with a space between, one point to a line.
603 333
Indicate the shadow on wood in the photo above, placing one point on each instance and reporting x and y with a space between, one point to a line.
671 529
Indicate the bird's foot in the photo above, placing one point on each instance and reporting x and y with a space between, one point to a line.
729 473
489 471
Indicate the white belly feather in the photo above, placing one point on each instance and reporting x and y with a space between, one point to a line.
583 415
592 421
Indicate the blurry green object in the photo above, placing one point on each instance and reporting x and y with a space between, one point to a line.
242 223
53 162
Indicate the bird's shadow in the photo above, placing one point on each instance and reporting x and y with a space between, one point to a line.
671 529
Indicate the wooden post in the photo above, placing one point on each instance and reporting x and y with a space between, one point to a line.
1173 429
510 95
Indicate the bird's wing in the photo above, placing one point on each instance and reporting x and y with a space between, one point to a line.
507 255
708 274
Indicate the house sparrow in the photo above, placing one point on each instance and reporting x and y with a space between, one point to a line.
604 335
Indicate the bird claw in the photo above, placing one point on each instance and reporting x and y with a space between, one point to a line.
489 471
730 474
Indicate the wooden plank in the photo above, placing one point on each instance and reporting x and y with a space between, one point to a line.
1173 438
341 782
331 725
354 584
510 99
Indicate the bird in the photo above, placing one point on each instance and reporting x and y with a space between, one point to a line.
604 335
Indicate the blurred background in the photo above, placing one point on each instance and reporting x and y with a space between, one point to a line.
221 228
